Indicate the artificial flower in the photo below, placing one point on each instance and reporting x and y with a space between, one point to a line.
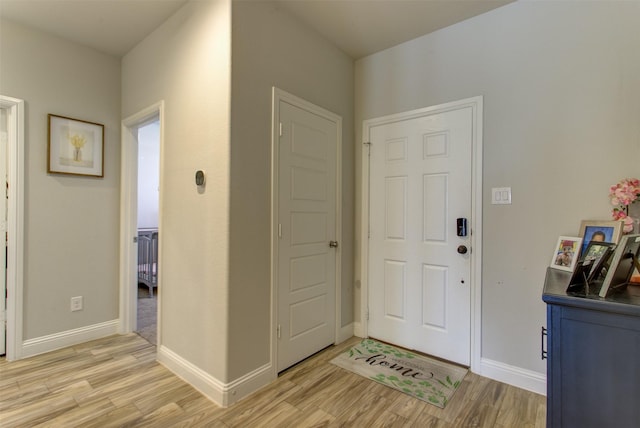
623 194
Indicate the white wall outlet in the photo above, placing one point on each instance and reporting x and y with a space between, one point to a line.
501 195
76 303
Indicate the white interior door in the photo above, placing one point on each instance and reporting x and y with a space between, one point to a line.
4 139
307 220
420 184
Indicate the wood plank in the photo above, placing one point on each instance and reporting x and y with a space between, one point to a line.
116 382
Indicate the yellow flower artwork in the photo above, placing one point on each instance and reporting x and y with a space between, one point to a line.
75 146
78 142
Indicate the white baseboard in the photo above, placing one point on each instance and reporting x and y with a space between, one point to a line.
223 394
357 329
345 333
43 344
515 376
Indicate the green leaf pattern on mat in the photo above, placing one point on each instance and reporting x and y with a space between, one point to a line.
374 347
420 389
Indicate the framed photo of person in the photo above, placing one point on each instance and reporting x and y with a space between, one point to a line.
565 254
600 231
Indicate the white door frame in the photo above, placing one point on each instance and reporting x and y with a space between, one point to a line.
277 96
129 214
15 225
475 222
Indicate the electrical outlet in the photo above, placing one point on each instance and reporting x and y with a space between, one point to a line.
76 303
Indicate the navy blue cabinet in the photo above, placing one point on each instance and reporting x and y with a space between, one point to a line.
593 357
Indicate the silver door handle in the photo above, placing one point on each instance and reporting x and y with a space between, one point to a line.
333 244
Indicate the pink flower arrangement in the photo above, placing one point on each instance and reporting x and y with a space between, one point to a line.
623 194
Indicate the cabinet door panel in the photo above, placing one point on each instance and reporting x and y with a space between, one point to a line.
594 372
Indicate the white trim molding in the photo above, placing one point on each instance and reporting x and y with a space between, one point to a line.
346 332
515 376
40 345
221 393
15 225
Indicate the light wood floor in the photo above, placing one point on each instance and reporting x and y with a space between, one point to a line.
115 382
147 314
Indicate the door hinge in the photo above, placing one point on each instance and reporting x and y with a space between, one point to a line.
278 331
367 314
280 129
279 230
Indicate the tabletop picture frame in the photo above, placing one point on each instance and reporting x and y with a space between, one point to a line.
565 254
75 147
597 256
600 231
623 263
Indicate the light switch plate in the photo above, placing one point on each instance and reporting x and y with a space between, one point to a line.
501 195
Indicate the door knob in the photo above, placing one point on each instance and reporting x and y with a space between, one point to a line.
462 249
333 244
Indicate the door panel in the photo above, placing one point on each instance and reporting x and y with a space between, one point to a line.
307 219
420 182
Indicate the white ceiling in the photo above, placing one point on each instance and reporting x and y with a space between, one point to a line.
110 26
363 27
358 27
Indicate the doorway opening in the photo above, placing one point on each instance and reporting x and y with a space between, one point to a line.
140 223
148 230
12 134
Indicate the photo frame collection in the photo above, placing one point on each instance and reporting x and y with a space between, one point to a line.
75 147
600 258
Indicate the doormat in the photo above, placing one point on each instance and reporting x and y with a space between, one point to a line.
421 377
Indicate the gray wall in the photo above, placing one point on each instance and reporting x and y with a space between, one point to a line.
71 223
561 101
186 63
272 49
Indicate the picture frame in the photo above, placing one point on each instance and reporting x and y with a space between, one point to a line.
587 273
596 256
623 263
579 283
604 230
565 254
75 147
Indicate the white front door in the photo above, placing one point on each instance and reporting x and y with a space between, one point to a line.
420 184
307 223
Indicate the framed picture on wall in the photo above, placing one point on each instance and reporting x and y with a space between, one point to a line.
565 254
599 231
75 147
